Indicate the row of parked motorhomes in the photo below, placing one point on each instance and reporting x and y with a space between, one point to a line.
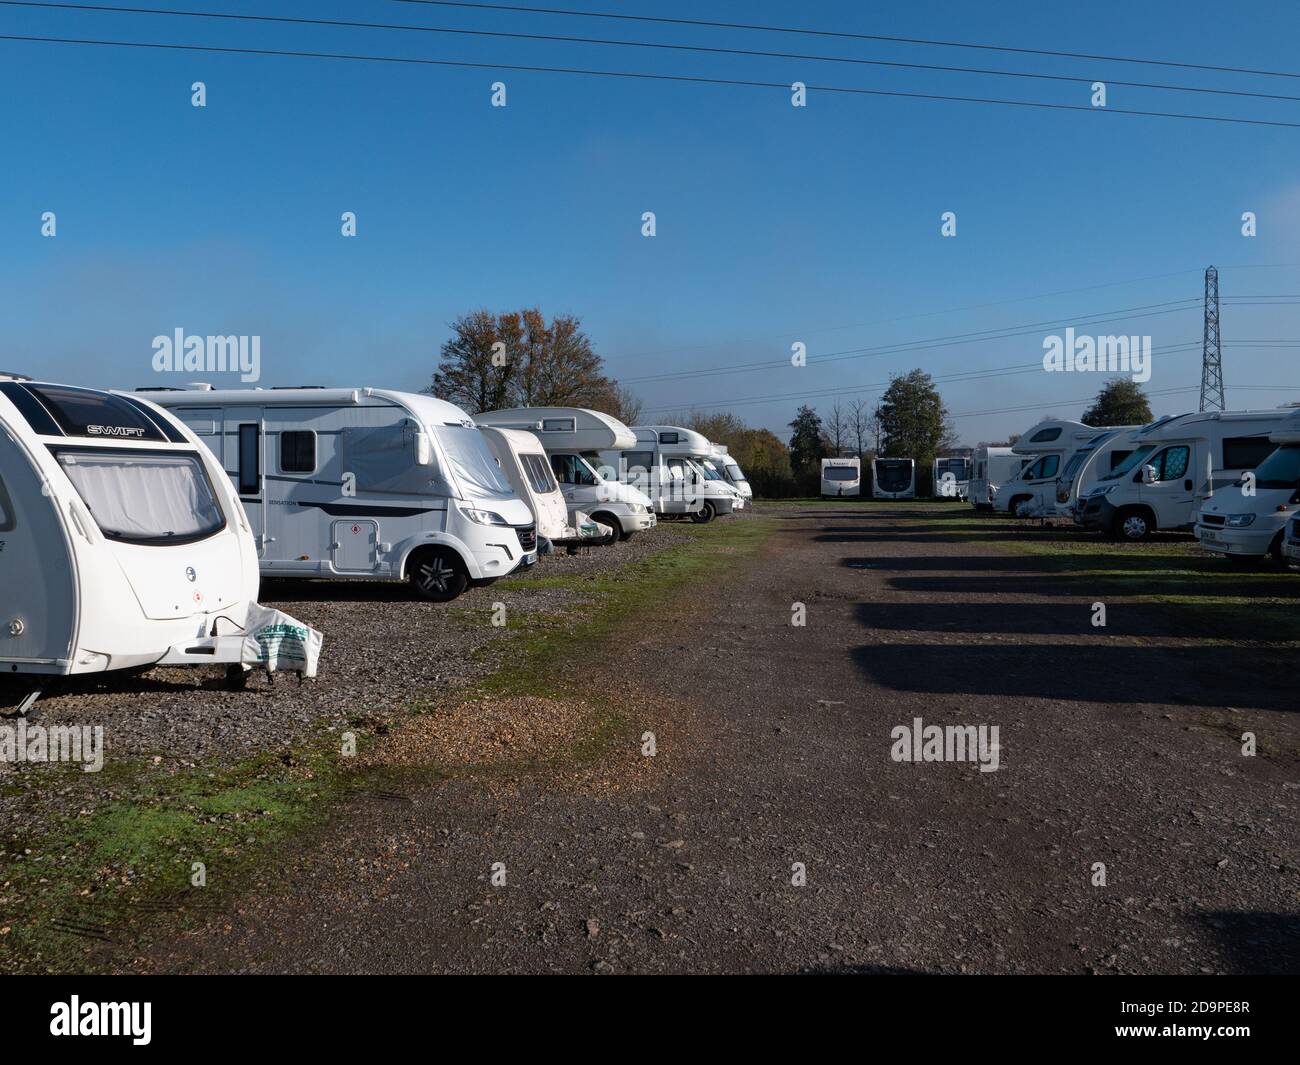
134 527
1231 477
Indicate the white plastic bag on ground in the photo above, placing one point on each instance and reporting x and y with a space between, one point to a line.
275 641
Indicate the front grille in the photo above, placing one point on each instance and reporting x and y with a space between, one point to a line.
1212 519
527 537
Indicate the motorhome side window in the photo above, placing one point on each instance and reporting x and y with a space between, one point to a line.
559 425
298 451
669 438
1171 463
1044 467
1045 435
250 460
569 469
639 460
1246 452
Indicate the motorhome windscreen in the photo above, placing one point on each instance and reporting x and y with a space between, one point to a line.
144 497
735 474
1281 470
83 412
894 476
472 462
841 473
709 470
1131 462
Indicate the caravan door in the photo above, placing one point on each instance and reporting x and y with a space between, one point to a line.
245 461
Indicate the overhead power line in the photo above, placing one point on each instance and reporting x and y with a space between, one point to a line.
656 45
848 36
640 76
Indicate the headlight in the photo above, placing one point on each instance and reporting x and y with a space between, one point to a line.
1240 521
483 517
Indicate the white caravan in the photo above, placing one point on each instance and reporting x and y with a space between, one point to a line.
893 478
992 467
364 483
1248 519
841 477
667 463
950 477
528 469
731 471
1033 490
1178 464
122 545
573 438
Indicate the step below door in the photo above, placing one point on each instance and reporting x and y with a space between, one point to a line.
355 548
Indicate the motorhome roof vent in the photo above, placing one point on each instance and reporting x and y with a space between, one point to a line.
199 386
159 388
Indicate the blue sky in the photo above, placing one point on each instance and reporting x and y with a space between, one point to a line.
775 224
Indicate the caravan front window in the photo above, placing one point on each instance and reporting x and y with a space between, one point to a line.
472 462
145 497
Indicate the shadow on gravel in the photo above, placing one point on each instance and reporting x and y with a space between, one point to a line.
1264 944
1189 676
1066 564
860 970
1097 585
1061 619
289 590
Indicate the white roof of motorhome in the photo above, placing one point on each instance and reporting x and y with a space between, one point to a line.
563 428
688 441
1068 435
1212 423
435 411
847 461
1289 431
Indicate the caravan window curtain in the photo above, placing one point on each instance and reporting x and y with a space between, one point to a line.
145 497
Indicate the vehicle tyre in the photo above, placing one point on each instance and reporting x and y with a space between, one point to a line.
1133 525
607 519
705 514
1013 507
237 677
437 574
1275 555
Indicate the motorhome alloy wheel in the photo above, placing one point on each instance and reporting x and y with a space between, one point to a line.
437 574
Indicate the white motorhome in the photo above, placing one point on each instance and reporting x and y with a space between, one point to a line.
1177 464
122 545
1033 490
1097 458
1248 519
992 467
950 476
667 463
364 483
841 477
573 439
528 469
893 478
714 470
731 470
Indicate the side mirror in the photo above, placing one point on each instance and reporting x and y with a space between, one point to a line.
423 448
1148 475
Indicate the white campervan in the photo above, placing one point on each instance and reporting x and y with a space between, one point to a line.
1097 458
1248 519
1033 490
893 478
528 469
731 471
121 543
666 462
364 483
573 438
713 469
992 467
1177 464
841 477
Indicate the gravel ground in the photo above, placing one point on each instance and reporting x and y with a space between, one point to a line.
382 647
1117 747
